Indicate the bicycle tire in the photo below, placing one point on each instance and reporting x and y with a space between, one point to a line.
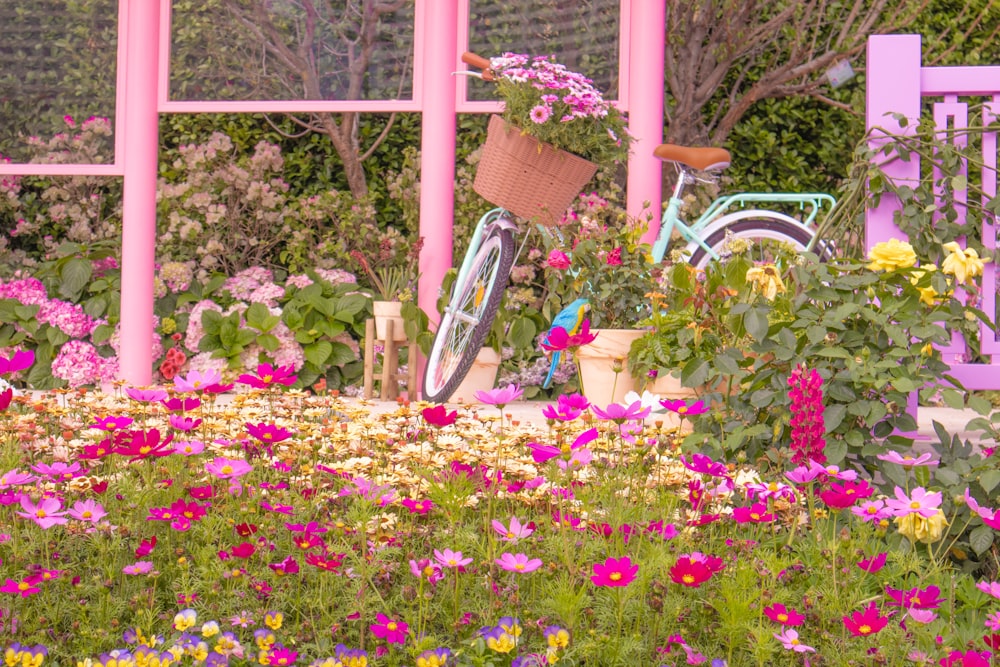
468 317
753 229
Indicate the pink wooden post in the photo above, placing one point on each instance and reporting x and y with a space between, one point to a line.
643 72
437 142
140 136
893 86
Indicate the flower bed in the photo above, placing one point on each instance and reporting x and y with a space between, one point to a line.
164 526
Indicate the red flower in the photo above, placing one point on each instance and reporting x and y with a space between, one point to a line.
614 258
438 415
181 404
99 487
867 622
244 550
5 398
328 563
201 492
245 529
691 572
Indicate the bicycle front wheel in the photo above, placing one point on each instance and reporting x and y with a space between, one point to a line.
764 232
468 317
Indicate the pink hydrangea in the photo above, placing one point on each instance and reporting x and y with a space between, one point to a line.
79 364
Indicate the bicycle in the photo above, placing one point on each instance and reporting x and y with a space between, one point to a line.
478 288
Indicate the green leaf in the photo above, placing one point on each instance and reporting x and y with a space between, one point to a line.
269 342
835 451
981 539
755 322
989 480
833 415
75 274
695 372
341 354
317 353
256 314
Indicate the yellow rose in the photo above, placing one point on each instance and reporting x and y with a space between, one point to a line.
891 255
766 280
916 528
928 294
963 264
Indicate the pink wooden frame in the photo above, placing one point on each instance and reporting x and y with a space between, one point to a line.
897 83
440 33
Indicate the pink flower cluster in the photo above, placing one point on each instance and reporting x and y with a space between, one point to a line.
79 364
807 425
557 84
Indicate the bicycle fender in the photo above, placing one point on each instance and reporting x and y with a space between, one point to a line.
725 220
503 220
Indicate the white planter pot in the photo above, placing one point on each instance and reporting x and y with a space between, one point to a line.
481 377
598 360
385 311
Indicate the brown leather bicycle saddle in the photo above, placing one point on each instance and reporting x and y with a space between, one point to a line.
703 159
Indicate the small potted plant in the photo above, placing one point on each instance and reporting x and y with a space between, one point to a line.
392 283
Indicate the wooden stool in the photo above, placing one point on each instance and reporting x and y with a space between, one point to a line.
390 364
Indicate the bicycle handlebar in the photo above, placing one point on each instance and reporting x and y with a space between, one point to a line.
477 61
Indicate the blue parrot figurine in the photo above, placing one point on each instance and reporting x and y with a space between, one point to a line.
569 318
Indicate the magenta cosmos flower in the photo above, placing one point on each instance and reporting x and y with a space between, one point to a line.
919 502
558 339
268 432
45 513
781 614
518 563
866 622
684 408
500 397
614 572
438 415
391 630
224 468
543 453
19 361
268 375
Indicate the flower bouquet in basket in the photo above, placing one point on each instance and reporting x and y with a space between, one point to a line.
556 129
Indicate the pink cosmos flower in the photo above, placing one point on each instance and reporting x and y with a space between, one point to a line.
178 404
139 567
614 572
840 496
908 461
87 510
452 559
15 478
923 616
224 468
832 471
45 513
269 433
518 563
390 630
990 588
58 471
621 413
500 397
756 513
189 447
417 506
198 380
425 568
145 395
919 502
871 511
918 598
184 423
514 530
803 474
790 640
578 459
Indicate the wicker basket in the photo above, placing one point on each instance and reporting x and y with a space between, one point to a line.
528 178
